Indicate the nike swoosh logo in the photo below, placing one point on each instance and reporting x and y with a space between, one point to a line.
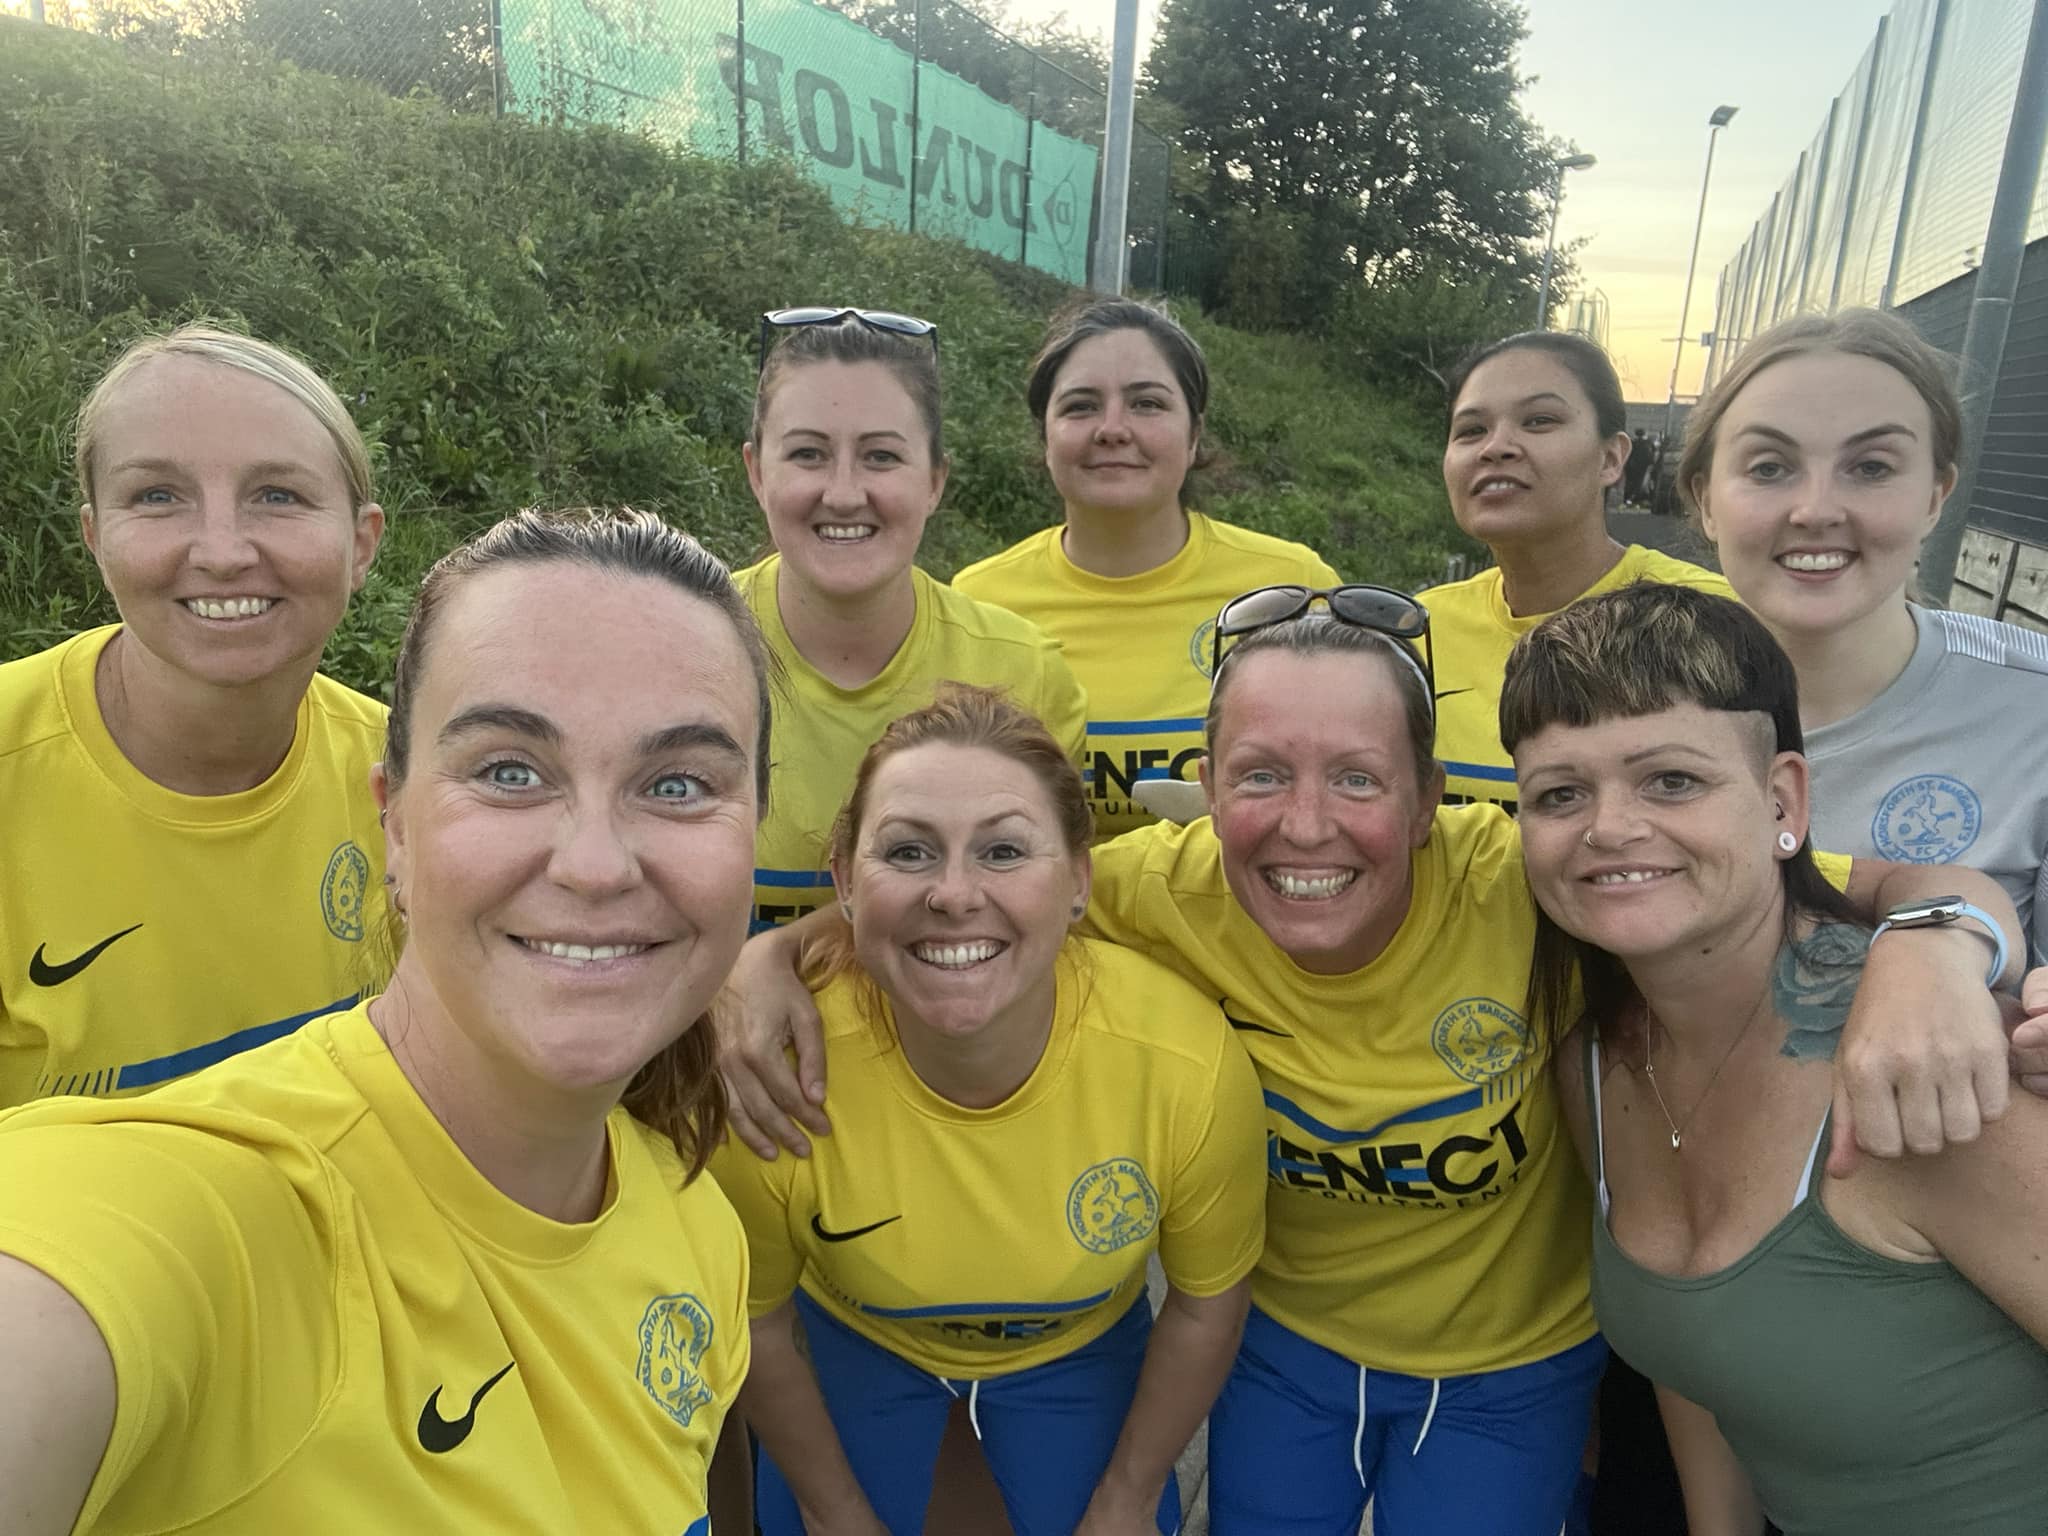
1451 693
848 1236
1257 1029
47 974
438 1436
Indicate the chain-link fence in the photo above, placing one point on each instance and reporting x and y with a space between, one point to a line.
918 114
1890 200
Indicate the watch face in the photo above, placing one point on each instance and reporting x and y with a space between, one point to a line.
1921 914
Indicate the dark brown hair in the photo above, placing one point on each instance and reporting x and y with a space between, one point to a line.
1639 651
1089 319
1581 358
911 360
679 1092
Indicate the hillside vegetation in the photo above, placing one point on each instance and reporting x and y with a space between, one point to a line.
522 314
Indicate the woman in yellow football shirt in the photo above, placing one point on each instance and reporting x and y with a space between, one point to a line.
1022 1118
1421 1331
847 460
192 858
1130 580
1537 432
440 1262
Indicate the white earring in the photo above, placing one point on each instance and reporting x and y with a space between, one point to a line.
1787 843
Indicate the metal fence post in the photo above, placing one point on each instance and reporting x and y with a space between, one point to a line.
1030 123
916 54
1853 195
739 79
35 10
1820 188
1991 298
1165 213
1889 293
498 82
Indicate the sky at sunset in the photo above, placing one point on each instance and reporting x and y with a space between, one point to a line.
1632 82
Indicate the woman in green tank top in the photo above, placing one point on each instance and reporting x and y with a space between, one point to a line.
1860 1356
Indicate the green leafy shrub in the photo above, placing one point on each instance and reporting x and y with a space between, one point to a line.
524 314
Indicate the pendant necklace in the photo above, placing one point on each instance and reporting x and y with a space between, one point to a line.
1678 1128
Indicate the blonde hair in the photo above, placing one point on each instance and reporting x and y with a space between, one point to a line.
1872 333
229 349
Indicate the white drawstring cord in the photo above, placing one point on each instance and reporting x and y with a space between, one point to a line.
1435 1389
1358 1438
974 1407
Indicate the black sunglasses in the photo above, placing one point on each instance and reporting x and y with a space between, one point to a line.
873 319
1383 610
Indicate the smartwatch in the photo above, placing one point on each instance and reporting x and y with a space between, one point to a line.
1940 912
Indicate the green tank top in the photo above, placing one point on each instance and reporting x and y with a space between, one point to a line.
1865 1396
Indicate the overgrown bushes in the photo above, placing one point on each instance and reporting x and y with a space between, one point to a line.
522 314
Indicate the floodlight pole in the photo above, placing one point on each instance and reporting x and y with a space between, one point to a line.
1558 168
1991 300
1112 245
1718 120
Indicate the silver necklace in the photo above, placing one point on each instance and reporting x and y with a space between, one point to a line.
1678 1128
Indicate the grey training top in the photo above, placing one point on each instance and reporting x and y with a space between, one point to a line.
1950 763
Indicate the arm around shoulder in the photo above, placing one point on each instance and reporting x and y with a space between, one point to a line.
57 1413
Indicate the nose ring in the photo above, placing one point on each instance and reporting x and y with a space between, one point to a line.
1589 837
931 901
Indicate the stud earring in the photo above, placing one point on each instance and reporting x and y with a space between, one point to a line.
1787 843
1080 911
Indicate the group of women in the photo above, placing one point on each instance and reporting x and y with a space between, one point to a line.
463 1246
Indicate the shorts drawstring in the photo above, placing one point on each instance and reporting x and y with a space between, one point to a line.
1358 1438
974 1408
1435 1390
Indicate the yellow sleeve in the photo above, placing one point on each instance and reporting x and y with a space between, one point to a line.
1834 868
1216 1229
208 1277
1063 706
760 1193
1326 574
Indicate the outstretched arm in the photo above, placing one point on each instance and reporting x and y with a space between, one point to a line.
785 1408
1923 1058
1194 1340
1719 1500
57 1410
763 1014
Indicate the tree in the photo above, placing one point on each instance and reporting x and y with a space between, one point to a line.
1369 139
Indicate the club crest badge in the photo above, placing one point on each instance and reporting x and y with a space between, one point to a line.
1927 819
673 1337
1480 1039
1111 1206
345 891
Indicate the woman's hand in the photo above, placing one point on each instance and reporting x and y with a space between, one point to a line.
764 1013
1119 1513
2030 1035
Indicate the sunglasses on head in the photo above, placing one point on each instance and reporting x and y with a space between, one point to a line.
1383 610
873 319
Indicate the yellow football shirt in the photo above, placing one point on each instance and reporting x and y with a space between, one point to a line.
1471 632
1140 644
323 1319
1426 1213
977 1242
144 933
822 730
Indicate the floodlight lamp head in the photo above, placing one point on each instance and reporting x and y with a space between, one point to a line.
1576 163
1721 116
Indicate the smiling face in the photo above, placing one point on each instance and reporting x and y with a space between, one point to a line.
1525 461
962 888
1821 487
1118 434
1312 787
843 473
222 523
574 838
1682 808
